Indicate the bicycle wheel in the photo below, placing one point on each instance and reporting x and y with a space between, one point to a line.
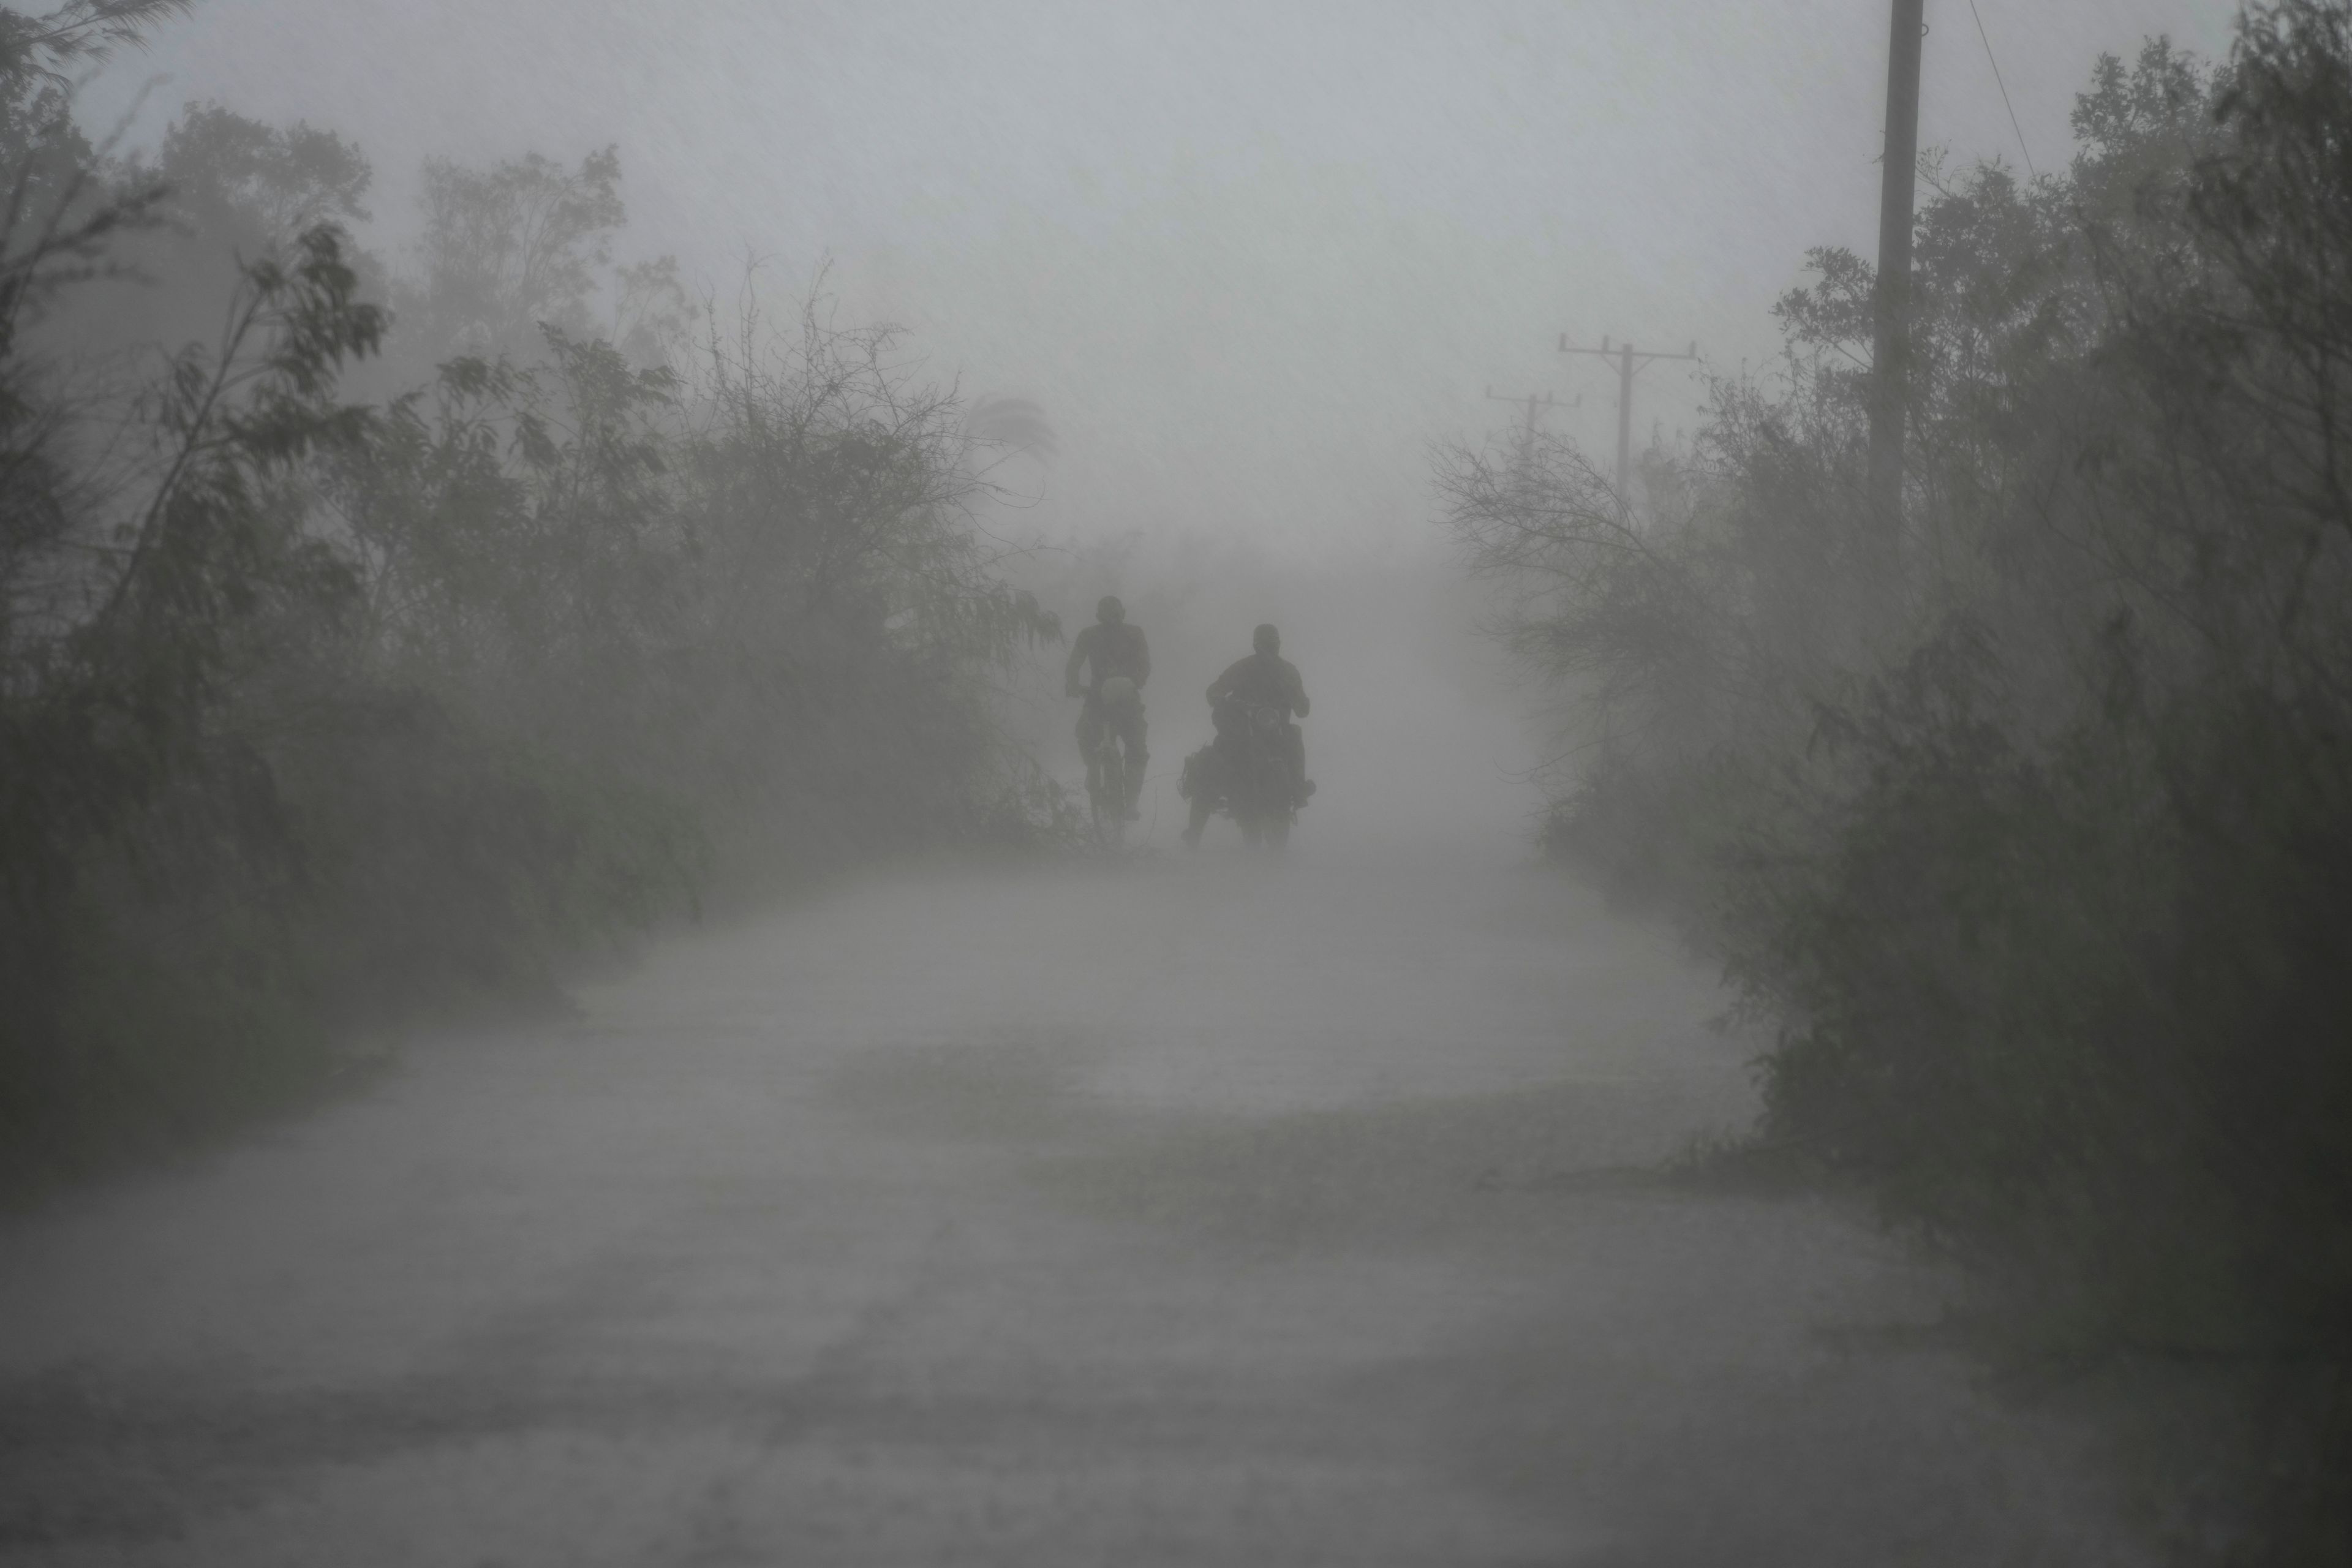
1109 800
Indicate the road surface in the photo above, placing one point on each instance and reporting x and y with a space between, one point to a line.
1181 1211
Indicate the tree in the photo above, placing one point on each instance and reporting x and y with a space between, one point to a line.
2038 872
512 247
259 184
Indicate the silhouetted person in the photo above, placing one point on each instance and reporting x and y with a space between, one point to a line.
1111 651
1264 679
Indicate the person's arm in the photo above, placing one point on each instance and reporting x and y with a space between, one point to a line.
1142 658
1297 691
1080 645
1224 683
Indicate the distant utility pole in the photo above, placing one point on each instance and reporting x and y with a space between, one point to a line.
1891 340
1629 360
1533 402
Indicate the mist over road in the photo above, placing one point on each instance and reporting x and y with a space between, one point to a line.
1185 1210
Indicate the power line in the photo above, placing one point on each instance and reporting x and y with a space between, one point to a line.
1629 360
1986 39
1533 402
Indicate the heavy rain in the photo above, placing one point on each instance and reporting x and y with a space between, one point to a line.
878 784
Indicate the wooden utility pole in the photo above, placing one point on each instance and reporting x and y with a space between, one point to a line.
1890 374
1533 402
1629 360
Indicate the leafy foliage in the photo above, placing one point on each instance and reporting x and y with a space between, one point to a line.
317 713
509 248
2034 854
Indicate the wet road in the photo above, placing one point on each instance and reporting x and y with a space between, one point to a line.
1179 1211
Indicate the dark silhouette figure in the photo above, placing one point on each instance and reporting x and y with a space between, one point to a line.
1264 679
1118 663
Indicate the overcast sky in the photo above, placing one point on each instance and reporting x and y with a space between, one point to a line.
1250 258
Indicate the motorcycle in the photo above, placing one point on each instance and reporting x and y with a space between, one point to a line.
1245 775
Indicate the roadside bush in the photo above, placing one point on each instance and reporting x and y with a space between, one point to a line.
318 716
2025 828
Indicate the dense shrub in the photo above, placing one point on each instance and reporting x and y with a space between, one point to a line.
2029 828
318 713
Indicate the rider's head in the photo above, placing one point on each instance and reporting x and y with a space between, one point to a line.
1109 611
1265 639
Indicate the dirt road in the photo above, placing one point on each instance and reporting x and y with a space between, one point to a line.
1177 1212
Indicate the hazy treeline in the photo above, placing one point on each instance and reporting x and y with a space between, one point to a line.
375 637
2030 829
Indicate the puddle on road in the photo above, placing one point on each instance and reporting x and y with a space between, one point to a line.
1380 1173
1025 1088
1634 1347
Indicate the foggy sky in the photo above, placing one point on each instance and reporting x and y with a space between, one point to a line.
1250 258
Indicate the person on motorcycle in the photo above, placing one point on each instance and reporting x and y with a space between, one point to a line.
1114 655
1266 679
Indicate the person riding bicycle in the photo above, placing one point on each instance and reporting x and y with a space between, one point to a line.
1118 663
1266 679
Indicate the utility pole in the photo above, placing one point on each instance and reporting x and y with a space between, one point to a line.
1890 369
1629 360
1533 402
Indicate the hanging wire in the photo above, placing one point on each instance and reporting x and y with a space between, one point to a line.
1986 39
